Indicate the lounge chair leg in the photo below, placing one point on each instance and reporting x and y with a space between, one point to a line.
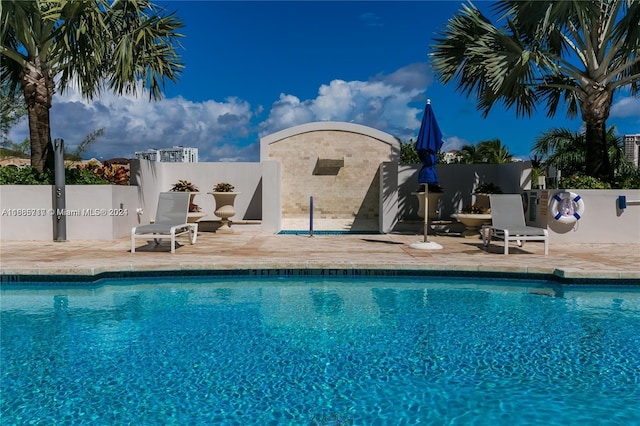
194 232
506 242
546 242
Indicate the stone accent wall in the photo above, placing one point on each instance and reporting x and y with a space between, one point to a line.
340 169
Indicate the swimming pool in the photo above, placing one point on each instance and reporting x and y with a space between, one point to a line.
312 350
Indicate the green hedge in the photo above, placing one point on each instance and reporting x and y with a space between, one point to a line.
10 175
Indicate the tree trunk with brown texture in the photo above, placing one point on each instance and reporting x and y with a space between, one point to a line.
595 111
38 93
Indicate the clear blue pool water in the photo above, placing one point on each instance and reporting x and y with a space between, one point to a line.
314 351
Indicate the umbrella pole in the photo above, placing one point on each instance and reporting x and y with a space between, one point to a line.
426 212
426 244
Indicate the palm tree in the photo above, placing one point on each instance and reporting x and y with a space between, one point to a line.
563 149
94 44
493 152
469 154
11 112
567 150
578 53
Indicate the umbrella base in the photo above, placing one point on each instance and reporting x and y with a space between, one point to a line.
426 245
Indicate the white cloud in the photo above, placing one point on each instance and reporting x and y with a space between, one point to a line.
224 130
413 76
626 107
134 124
381 103
453 143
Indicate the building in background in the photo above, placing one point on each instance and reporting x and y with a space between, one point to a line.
177 154
631 146
451 157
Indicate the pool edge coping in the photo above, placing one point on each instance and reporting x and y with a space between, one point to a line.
14 276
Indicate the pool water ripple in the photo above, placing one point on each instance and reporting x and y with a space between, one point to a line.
317 351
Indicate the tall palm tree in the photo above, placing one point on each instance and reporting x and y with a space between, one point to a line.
48 45
578 53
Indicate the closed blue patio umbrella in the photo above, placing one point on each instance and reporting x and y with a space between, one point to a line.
428 144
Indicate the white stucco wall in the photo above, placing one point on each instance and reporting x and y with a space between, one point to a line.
95 212
154 177
602 221
261 199
459 182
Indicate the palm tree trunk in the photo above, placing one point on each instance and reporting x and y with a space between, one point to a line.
38 92
595 111
40 135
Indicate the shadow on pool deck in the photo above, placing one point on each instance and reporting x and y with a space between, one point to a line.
249 248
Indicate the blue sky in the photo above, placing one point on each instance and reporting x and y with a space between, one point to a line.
254 68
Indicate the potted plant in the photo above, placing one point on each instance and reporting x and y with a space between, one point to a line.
487 188
182 185
475 209
482 192
224 195
223 187
473 217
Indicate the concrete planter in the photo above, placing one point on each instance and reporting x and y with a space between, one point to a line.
472 222
225 209
432 199
193 217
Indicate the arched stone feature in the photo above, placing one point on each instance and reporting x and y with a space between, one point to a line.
338 164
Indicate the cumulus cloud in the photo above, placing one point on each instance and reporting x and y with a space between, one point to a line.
626 107
228 130
453 143
382 103
132 123
411 77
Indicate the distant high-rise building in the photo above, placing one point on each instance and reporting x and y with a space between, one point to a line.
631 146
177 154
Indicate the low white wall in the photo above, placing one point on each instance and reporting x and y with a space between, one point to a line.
602 221
459 182
154 177
260 183
93 212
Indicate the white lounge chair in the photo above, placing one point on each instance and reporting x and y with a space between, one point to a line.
508 224
170 221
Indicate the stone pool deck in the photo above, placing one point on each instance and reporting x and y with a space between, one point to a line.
249 248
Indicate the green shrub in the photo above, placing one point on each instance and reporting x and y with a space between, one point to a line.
84 177
24 176
629 180
28 176
408 153
584 182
